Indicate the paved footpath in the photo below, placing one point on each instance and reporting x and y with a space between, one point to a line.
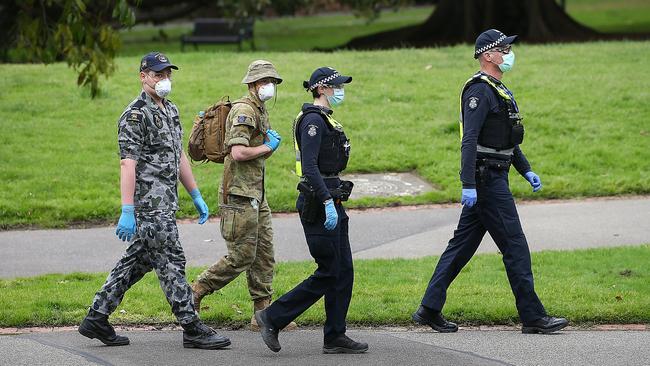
391 233
408 232
416 346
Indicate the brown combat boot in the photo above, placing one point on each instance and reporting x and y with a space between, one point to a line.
261 304
198 292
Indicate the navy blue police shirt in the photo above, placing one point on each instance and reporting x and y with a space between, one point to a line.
310 133
480 100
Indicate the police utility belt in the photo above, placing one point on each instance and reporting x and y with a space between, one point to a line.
491 163
312 205
488 157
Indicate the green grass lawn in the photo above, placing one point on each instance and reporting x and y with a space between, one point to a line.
330 30
585 108
586 286
612 16
279 34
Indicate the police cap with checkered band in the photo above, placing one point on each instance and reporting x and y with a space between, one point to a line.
491 38
325 76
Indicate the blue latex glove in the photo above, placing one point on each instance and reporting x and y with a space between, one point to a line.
200 205
469 197
331 217
534 181
126 225
274 139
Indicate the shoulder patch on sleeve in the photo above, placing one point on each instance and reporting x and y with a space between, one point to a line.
134 115
243 119
312 130
473 102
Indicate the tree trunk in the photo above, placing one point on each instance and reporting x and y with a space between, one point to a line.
458 21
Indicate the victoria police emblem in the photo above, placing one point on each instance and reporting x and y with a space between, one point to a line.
473 102
312 131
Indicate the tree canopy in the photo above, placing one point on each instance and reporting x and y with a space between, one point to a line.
83 33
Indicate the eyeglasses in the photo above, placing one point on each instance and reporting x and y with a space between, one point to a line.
505 50
160 75
340 86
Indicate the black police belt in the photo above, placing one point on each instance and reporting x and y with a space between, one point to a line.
492 163
340 193
312 206
329 175
343 191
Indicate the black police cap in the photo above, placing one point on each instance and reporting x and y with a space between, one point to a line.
155 61
491 38
325 76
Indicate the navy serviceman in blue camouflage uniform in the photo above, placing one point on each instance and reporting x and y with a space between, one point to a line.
491 132
322 152
152 161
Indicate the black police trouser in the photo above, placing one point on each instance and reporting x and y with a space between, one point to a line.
494 212
333 278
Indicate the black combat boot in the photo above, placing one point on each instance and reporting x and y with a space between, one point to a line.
96 325
343 344
434 319
198 335
545 325
268 331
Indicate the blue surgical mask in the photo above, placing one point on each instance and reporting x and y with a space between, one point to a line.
508 62
336 98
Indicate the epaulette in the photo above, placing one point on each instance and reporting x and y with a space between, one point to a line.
138 104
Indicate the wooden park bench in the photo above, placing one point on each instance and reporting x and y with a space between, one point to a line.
218 31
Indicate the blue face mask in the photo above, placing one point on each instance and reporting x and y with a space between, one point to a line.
508 62
337 98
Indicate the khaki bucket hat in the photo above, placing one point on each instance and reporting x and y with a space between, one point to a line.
261 69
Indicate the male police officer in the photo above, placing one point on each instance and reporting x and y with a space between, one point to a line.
322 152
245 213
150 138
491 132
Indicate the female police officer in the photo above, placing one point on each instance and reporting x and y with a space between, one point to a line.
322 152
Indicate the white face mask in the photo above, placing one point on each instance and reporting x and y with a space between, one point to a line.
266 92
163 87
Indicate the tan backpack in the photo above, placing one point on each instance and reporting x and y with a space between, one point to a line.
207 138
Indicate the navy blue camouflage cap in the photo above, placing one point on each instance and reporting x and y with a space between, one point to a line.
325 76
491 38
155 61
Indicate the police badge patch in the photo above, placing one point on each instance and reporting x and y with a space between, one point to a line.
312 130
473 102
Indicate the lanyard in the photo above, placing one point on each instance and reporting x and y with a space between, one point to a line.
512 97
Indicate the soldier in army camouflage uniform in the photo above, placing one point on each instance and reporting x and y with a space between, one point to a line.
152 162
245 213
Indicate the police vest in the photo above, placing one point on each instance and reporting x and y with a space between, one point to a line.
334 150
502 130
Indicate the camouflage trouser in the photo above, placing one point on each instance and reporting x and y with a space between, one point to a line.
246 227
155 246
